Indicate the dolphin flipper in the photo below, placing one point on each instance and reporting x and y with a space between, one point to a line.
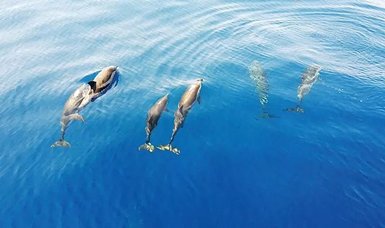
66 120
87 99
75 116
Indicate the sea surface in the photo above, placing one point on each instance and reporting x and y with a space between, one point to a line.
324 167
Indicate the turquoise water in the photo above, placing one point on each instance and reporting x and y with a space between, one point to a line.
321 168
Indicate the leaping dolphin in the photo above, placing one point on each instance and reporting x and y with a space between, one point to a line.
153 116
309 77
188 99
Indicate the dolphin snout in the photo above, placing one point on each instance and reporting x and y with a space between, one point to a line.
113 68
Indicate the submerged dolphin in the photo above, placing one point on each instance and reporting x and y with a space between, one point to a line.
153 116
81 98
189 97
309 77
259 77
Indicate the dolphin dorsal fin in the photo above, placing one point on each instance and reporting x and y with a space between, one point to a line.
180 108
93 85
151 120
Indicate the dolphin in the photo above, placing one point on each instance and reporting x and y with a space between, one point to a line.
82 96
103 81
153 116
258 75
309 77
190 96
75 103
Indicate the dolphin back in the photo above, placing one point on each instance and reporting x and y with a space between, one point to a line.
105 78
189 97
78 100
154 113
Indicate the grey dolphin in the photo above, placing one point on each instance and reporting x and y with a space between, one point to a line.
75 103
153 116
309 77
188 99
258 75
81 98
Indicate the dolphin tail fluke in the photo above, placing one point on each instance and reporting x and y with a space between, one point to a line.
295 109
147 146
61 143
170 148
266 115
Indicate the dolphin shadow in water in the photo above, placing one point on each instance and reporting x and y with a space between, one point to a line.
89 77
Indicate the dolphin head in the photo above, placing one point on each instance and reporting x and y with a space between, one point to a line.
113 68
199 81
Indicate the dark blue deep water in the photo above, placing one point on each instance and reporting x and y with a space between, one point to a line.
321 168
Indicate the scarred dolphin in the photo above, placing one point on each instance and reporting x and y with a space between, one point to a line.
190 96
153 116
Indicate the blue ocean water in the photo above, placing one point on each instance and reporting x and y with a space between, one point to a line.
321 168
